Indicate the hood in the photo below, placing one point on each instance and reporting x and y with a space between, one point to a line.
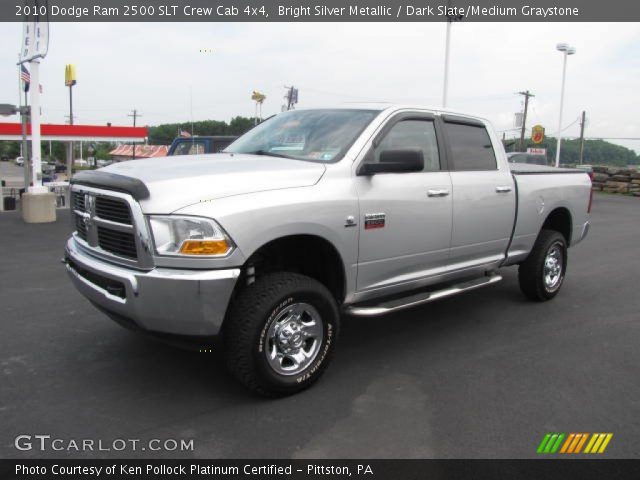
176 182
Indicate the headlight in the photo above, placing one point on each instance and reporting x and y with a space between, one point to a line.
192 236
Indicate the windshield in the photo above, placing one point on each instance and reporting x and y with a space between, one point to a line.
315 135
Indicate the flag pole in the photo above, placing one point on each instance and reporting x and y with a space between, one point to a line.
24 146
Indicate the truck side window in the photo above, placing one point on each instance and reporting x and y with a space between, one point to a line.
418 134
471 147
189 148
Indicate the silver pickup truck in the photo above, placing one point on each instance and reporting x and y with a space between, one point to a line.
314 213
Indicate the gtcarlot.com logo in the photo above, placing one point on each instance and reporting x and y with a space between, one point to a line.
48 443
574 443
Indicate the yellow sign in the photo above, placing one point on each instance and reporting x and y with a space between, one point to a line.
258 97
537 134
69 75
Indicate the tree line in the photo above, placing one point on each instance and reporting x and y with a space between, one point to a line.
596 152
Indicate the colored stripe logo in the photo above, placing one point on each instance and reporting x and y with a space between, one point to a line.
573 443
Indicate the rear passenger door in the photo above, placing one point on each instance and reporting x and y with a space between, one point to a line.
484 199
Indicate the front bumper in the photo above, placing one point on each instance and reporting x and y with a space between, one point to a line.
164 300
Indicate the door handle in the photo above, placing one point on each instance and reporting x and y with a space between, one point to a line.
505 189
438 193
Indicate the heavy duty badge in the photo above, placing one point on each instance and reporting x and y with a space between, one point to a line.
374 220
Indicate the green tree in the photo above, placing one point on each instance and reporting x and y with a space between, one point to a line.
165 133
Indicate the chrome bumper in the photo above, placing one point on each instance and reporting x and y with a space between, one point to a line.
183 302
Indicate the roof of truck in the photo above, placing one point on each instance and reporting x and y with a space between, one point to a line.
381 106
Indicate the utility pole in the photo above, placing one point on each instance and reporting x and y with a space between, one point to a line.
291 97
526 95
135 116
584 116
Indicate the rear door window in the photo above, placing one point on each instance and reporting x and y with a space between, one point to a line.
471 147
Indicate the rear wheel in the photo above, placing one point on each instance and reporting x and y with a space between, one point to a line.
280 333
541 275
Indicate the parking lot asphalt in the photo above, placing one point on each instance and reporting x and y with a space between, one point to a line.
481 375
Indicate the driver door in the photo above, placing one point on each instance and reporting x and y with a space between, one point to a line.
405 218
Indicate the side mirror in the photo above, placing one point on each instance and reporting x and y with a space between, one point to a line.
395 161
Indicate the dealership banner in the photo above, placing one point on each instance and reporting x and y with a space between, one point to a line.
326 469
321 10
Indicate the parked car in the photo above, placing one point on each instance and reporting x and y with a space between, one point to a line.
80 162
528 158
198 145
365 210
48 168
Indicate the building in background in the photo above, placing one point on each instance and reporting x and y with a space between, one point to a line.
125 152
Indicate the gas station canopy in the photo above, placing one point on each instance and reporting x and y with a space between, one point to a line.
76 133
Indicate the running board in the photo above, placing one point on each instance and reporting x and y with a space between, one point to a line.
419 298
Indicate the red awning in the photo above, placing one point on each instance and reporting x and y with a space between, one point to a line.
142 151
66 133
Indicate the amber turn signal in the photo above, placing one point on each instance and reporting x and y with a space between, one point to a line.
204 247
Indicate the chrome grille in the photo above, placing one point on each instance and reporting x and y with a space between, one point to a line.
118 243
105 223
113 209
78 201
81 228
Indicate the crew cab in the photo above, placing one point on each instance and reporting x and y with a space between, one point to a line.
199 144
314 214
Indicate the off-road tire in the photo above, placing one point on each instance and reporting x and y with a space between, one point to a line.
249 316
531 272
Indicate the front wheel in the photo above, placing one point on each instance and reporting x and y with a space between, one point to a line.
542 273
280 333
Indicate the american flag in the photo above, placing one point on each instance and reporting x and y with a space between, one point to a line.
25 76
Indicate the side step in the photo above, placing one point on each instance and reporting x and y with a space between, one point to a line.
419 298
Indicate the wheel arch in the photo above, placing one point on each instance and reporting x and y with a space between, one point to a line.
308 254
560 220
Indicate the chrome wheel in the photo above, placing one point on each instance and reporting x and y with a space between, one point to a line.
294 338
553 266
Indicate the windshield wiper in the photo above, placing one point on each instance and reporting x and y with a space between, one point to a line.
270 154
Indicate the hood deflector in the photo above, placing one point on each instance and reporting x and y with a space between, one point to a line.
112 181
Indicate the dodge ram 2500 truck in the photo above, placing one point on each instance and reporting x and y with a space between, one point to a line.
364 210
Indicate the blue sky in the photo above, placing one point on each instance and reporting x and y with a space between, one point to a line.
154 67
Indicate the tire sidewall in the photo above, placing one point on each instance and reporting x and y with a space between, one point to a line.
327 311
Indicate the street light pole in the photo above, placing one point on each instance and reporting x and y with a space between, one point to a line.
36 173
446 65
566 51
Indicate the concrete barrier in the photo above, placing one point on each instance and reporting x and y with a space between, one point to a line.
38 207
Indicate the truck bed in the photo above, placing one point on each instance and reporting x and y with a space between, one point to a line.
541 190
531 169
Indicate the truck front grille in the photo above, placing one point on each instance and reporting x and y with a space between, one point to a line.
105 224
118 243
81 228
78 201
113 209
